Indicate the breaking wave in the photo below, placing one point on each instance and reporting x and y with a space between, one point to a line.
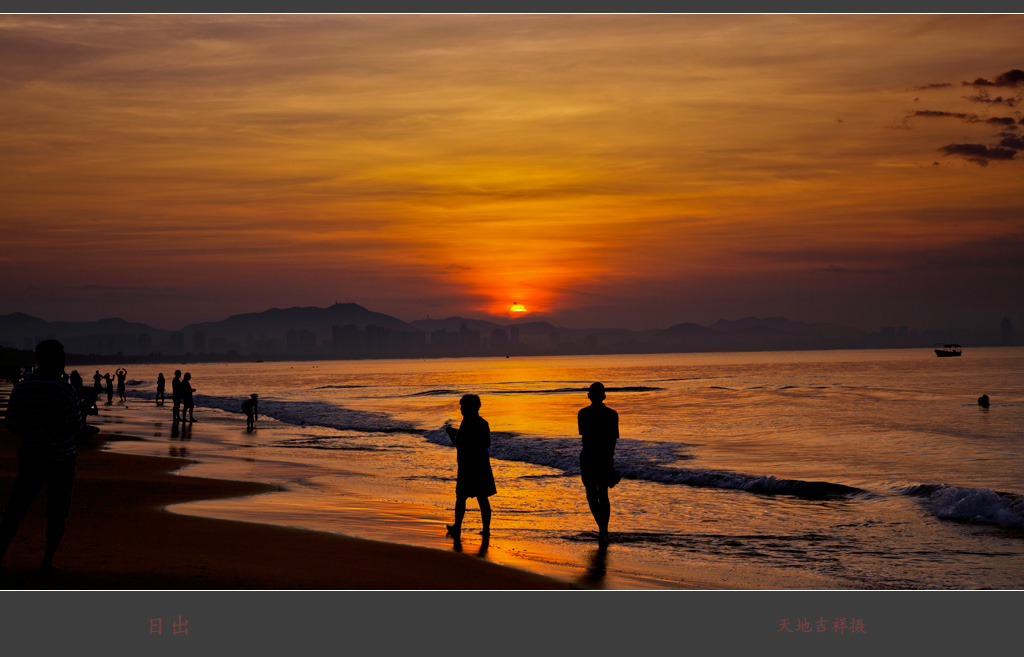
647 461
977 505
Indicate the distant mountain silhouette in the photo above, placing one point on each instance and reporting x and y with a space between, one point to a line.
318 320
351 331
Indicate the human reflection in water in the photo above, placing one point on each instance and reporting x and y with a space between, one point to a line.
475 478
599 428
594 577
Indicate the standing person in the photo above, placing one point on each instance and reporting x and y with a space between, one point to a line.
97 383
475 478
249 406
599 427
121 373
76 382
186 398
109 388
176 394
44 412
161 385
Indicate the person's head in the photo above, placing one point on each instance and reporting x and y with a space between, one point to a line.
50 356
254 396
596 392
177 372
188 375
470 404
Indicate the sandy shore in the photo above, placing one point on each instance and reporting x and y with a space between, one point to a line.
119 537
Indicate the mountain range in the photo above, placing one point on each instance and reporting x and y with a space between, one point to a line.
352 331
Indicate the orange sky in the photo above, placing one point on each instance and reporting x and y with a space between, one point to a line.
634 171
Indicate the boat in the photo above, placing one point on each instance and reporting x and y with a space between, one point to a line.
947 350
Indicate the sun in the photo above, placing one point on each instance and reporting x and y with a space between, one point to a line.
517 308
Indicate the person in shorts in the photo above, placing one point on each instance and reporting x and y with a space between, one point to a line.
599 428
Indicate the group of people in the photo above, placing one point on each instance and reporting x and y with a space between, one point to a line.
599 429
181 396
46 412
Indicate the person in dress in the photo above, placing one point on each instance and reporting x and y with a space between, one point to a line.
161 387
475 478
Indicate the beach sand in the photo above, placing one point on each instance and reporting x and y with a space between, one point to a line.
120 537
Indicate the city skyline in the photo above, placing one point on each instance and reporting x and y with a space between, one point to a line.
601 171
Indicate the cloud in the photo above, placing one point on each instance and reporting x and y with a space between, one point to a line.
965 116
1012 78
983 97
1011 141
979 153
982 154
933 85
937 114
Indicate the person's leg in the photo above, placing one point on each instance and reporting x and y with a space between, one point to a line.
59 483
606 512
54 535
460 512
597 498
27 486
485 514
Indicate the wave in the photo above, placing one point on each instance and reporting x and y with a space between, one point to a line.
647 461
977 505
321 414
340 387
528 391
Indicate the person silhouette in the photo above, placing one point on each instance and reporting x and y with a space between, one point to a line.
983 401
475 478
44 412
599 428
176 395
109 388
249 407
187 406
76 382
97 382
121 373
161 386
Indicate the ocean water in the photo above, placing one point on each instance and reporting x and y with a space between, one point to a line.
826 469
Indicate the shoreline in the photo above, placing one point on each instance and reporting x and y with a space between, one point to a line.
121 537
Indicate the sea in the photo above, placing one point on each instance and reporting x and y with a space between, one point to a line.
861 469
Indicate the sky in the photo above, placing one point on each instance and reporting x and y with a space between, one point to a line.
602 171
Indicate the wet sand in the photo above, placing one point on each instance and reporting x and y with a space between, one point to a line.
120 536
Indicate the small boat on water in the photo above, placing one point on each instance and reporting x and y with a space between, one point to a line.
947 350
